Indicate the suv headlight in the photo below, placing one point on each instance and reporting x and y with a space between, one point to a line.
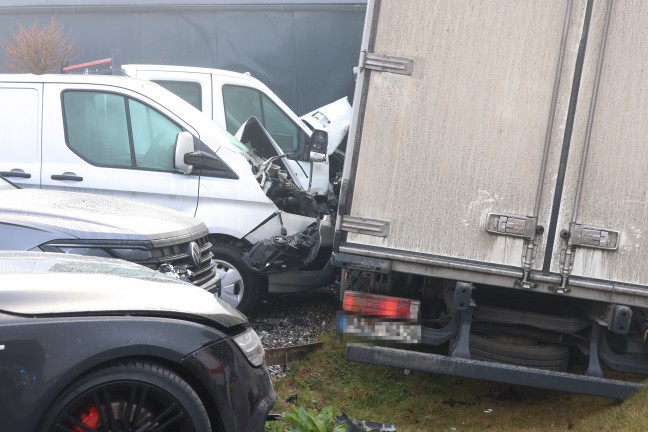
133 254
87 251
250 344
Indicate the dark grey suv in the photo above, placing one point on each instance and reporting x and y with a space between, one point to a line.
94 344
104 226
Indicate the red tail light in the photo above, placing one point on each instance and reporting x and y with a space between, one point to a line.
381 306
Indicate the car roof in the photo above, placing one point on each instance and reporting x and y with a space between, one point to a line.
117 80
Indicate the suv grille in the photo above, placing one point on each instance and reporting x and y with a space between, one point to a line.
180 255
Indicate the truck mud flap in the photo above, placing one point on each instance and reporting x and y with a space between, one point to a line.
488 371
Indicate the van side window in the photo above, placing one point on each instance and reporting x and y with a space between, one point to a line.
107 129
189 91
240 103
244 102
280 127
96 127
154 137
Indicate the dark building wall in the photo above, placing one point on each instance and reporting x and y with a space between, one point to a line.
304 51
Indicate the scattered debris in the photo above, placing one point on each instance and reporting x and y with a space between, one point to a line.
291 399
488 410
295 319
310 375
363 425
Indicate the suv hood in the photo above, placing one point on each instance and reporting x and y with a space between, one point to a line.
95 217
42 284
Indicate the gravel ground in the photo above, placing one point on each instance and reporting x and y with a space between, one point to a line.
295 319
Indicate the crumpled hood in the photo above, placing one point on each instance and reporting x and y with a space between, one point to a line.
94 217
41 284
334 118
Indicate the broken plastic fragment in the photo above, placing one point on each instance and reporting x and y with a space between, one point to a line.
363 425
282 253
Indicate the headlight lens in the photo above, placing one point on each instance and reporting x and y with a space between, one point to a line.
250 344
134 254
88 251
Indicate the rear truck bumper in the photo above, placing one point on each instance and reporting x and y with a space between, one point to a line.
388 318
489 371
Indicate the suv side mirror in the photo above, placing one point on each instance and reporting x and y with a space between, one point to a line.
184 145
318 146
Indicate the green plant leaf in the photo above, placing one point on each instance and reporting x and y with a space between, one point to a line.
319 424
302 420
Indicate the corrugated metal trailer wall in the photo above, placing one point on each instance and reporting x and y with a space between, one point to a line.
303 50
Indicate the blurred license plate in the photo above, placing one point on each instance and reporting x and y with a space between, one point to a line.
379 329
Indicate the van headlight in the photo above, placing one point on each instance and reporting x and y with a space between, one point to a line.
250 343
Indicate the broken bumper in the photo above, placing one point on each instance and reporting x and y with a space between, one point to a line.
282 253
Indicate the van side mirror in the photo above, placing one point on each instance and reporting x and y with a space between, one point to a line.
318 146
184 145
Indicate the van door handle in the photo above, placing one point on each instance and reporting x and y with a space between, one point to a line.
67 176
13 173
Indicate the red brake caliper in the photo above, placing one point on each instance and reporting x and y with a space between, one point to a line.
89 416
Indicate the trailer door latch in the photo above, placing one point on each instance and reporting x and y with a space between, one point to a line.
511 225
594 237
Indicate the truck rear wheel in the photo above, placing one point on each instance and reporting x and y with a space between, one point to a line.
241 288
519 350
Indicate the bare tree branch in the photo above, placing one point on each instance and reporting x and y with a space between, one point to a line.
38 50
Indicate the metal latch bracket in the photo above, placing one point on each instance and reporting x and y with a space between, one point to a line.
594 237
512 225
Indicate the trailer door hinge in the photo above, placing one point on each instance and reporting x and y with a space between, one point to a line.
360 225
384 63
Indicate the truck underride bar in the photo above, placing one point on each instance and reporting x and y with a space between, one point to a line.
498 372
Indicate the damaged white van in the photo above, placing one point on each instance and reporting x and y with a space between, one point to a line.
230 98
127 137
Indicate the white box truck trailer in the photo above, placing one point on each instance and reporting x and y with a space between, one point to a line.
493 196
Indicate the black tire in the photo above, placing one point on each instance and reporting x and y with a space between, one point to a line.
128 396
520 351
241 288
